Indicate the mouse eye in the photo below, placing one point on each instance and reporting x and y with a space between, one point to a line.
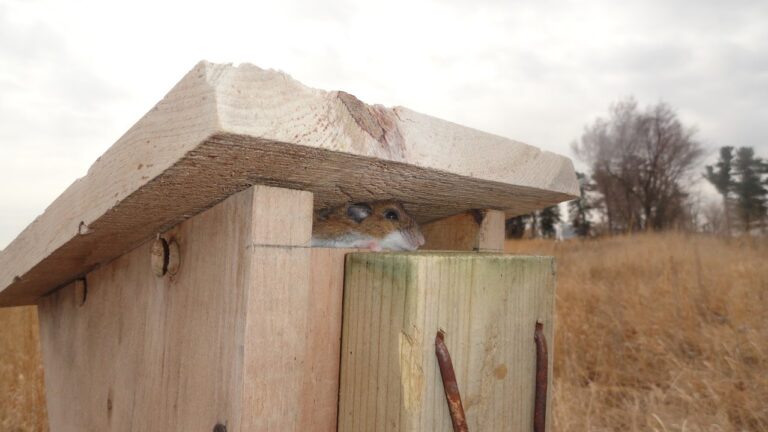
391 215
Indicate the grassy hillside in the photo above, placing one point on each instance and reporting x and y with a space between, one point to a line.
654 332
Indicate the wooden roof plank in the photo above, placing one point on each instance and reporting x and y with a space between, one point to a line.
222 129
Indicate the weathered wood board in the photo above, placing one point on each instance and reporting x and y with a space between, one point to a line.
222 129
246 334
488 305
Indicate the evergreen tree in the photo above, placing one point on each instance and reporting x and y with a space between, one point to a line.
548 218
722 180
579 208
750 191
765 172
515 226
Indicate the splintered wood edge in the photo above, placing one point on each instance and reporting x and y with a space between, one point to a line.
222 129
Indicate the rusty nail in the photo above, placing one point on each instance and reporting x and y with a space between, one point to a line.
450 385
540 402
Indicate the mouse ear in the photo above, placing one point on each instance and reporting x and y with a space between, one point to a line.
358 212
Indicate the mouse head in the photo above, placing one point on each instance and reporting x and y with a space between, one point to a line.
386 222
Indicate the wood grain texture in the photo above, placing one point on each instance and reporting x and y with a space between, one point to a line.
488 305
475 230
246 334
145 353
222 129
320 377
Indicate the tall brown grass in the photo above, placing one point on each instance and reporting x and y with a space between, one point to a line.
653 332
22 400
660 333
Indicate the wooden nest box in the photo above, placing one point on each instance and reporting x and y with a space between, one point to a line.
177 291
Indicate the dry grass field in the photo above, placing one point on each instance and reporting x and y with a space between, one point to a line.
22 401
654 332
660 333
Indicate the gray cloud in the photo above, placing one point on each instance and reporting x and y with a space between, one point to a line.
53 121
535 71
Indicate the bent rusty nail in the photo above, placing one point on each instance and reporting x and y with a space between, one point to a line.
540 402
450 385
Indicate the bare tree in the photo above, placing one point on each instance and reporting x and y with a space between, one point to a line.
640 162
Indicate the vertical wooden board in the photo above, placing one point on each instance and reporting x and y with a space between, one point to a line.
374 353
275 337
281 216
475 230
487 304
149 353
320 377
492 235
280 383
245 325
292 341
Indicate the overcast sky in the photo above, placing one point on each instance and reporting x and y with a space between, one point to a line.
75 75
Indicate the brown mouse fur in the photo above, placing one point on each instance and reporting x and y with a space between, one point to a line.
374 225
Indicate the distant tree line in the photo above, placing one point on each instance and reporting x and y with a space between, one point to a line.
543 223
642 164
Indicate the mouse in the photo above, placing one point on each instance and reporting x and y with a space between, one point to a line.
377 225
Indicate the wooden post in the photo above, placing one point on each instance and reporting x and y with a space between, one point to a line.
246 334
488 305
474 230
